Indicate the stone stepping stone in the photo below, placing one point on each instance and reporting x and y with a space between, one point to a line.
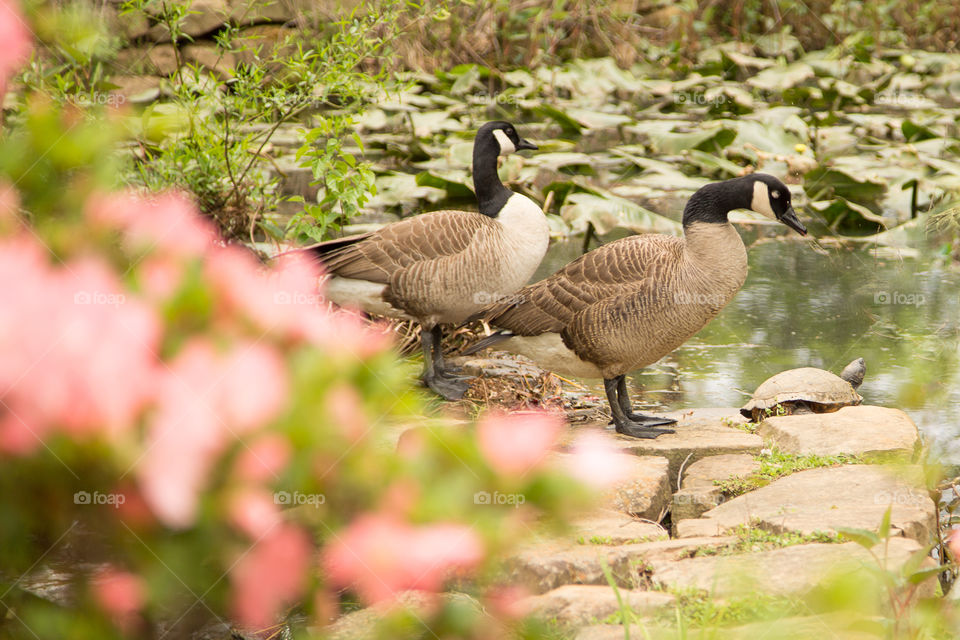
822 499
701 433
788 571
861 430
614 527
832 626
577 605
645 492
549 565
699 493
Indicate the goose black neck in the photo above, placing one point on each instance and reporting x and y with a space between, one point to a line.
712 202
491 194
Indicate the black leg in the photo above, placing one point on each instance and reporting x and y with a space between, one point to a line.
441 368
622 421
449 389
624 397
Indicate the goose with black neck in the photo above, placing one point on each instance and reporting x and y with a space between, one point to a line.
625 305
440 267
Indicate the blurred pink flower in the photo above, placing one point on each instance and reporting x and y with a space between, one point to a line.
254 511
508 601
121 594
264 459
596 461
168 222
953 543
273 573
17 42
382 556
85 361
9 198
160 276
253 387
205 401
516 443
345 408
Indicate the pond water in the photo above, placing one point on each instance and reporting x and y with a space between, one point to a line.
807 305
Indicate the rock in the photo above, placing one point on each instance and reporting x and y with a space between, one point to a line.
787 571
209 56
575 604
549 565
701 433
613 527
828 497
860 430
136 89
699 492
246 12
833 626
647 492
361 624
294 179
162 60
203 17
497 367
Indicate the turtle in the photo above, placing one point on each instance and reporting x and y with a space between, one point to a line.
806 390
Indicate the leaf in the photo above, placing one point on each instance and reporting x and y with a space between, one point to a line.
608 212
569 124
866 539
884 530
780 78
453 182
920 576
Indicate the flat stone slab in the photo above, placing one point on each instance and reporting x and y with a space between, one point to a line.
614 527
549 565
787 571
699 492
645 492
861 430
700 433
822 499
832 626
576 604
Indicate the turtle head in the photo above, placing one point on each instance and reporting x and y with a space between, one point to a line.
854 372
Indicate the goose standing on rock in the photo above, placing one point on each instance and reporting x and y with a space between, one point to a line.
441 267
625 305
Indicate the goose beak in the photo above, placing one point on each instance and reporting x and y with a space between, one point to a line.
790 219
526 144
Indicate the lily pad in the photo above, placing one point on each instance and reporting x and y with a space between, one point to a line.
832 182
455 183
609 212
780 78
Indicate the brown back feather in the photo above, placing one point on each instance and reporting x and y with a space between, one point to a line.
618 269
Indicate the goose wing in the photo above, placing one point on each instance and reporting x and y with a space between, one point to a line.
597 278
377 255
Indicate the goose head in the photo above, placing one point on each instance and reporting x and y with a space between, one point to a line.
501 138
771 198
758 192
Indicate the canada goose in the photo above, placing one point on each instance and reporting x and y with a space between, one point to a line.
442 266
627 304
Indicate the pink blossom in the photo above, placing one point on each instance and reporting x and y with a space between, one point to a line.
121 594
345 408
253 389
382 556
206 400
273 573
264 459
17 43
168 222
160 276
85 361
509 601
596 461
953 543
515 444
254 511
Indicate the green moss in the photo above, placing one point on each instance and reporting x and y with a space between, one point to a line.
752 538
776 465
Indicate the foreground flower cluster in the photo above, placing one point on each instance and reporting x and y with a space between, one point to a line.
207 437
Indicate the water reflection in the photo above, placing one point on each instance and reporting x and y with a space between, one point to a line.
803 307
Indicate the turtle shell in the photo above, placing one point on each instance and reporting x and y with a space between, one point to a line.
822 390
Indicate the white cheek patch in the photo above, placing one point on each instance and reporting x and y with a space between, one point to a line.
506 145
761 200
